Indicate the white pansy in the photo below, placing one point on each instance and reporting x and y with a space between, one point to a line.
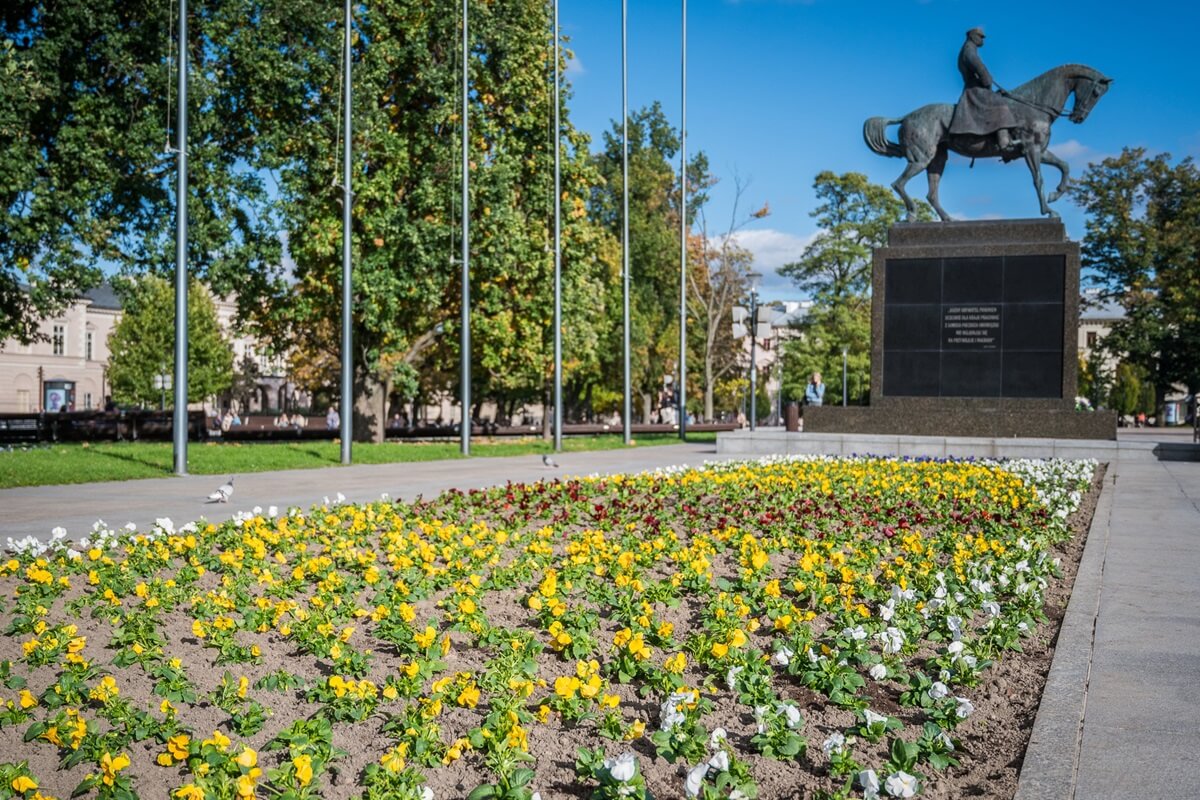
964 708
901 784
717 738
165 523
869 782
991 608
694 780
731 677
672 718
892 638
719 761
954 624
878 672
836 743
938 690
623 767
783 656
427 793
857 633
791 712
874 719
272 511
760 717
887 610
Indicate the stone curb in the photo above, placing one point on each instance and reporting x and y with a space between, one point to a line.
1051 763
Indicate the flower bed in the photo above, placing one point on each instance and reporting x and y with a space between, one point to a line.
824 627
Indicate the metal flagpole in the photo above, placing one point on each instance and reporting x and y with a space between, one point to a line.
682 387
465 334
347 418
754 358
626 418
557 251
180 418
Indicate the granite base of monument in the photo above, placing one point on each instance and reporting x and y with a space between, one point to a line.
973 333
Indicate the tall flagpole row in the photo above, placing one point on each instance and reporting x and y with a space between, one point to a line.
558 415
465 333
682 387
180 419
626 418
347 418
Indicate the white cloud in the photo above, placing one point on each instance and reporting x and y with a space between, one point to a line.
574 65
1076 153
772 249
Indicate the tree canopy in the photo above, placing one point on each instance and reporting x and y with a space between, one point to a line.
1142 249
835 269
142 344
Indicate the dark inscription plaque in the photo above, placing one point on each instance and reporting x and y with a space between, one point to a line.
974 327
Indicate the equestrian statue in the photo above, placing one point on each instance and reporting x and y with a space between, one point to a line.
986 124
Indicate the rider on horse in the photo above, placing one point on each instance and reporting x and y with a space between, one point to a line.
980 111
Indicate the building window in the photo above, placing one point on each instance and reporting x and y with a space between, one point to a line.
60 339
87 396
23 401
1092 338
88 348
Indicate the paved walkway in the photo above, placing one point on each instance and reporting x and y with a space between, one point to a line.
1118 718
35 511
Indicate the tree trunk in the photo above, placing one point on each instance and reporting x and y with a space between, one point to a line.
647 408
370 408
547 415
708 388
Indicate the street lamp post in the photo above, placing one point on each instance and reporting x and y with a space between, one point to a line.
162 382
754 277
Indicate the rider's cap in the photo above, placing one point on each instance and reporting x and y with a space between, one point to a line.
978 31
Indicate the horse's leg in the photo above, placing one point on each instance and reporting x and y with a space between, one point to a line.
934 174
910 171
1033 157
1061 165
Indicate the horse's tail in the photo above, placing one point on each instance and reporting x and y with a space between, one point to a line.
875 135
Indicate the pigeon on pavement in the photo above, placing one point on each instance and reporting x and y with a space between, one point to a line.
549 462
223 493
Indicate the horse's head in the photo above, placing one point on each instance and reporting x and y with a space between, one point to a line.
1090 86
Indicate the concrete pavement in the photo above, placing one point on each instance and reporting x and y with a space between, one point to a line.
1118 716
36 510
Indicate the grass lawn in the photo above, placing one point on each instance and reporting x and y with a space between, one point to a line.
117 461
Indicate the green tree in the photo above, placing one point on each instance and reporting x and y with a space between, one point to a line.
1125 394
654 199
1143 249
142 344
85 174
406 113
835 270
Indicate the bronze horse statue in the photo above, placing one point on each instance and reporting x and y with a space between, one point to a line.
925 140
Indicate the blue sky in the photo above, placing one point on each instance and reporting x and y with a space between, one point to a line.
778 91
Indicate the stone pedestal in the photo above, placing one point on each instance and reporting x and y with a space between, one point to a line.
973 333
